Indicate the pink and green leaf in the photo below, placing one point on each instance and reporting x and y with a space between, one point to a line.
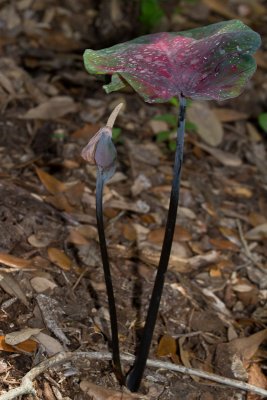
213 62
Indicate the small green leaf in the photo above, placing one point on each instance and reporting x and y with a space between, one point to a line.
172 145
169 118
151 13
163 136
174 102
262 118
116 133
190 126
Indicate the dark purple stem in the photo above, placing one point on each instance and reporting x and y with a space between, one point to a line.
135 376
108 280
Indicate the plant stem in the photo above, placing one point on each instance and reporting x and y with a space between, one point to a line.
109 287
135 376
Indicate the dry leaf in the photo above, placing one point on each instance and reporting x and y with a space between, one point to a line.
185 356
15 262
59 258
60 202
239 191
54 108
39 240
220 244
51 345
226 158
247 346
167 346
180 235
76 237
17 337
29 346
232 358
86 132
158 126
261 59
230 234
221 8
257 233
229 115
202 260
41 284
207 123
256 377
11 286
52 184
101 393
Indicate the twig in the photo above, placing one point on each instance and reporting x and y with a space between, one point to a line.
26 386
247 251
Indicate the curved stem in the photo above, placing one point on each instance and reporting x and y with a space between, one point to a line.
135 376
108 280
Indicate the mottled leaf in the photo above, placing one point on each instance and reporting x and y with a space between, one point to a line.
212 62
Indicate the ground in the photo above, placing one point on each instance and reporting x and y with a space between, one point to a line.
51 277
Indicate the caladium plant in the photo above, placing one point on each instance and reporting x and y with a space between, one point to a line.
212 62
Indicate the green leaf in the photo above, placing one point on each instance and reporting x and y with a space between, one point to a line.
116 133
163 136
262 118
169 118
190 126
174 101
151 13
172 145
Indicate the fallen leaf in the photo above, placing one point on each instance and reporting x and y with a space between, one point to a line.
202 260
60 202
248 346
29 346
12 287
51 345
256 377
239 191
257 233
261 59
185 356
225 158
41 284
220 8
54 108
86 132
180 235
76 237
15 262
52 184
230 234
167 346
208 125
253 133
158 126
229 115
17 337
220 244
101 393
39 240
59 258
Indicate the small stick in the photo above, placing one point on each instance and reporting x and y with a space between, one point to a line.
26 386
